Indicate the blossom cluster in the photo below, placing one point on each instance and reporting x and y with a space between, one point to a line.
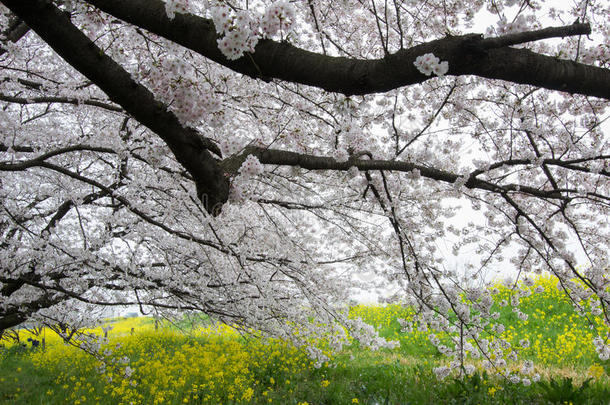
189 101
189 105
520 24
238 30
428 64
341 155
251 167
241 31
356 139
239 186
175 6
278 17
368 336
602 349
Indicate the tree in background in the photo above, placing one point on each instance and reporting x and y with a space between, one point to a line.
257 161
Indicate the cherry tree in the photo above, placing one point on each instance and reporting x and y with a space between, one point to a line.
258 160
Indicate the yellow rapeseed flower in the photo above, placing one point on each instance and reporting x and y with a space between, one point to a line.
595 371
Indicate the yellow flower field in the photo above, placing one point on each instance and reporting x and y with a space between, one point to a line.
211 365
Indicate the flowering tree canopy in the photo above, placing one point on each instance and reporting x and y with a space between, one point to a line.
258 160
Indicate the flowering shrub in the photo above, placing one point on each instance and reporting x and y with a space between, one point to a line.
212 366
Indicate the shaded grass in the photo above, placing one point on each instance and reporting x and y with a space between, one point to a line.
22 382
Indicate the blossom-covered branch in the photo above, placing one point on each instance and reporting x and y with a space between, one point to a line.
50 100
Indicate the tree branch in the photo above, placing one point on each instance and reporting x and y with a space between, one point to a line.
311 162
63 100
467 55
56 152
537 35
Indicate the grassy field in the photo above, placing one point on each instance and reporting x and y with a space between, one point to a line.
216 365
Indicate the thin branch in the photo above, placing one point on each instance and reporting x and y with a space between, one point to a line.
537 35
64 100
311 162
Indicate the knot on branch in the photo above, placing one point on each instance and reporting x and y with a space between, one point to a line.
210 180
